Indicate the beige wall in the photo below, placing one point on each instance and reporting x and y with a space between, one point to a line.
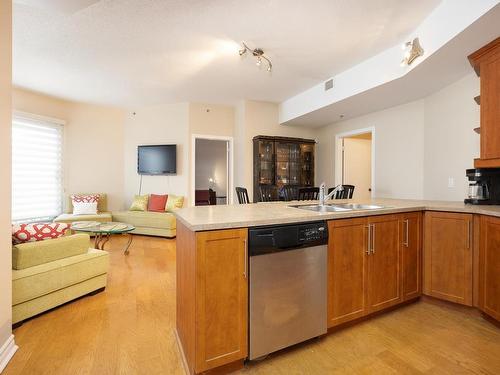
5 173
398 140
94 141
161 124
258 118
450 143
211 119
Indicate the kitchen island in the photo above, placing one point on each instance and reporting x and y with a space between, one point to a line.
377 259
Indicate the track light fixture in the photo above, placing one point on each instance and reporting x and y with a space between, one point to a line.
412 50
258 54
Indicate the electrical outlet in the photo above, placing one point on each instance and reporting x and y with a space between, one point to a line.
451 182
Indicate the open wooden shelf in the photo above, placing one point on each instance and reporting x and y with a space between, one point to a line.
477 99
478 130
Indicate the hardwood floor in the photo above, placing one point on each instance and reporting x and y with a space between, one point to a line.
129 329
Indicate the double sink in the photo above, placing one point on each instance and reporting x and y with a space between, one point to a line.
341 207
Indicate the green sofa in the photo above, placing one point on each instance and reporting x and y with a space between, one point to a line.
50 273
102 216
161 224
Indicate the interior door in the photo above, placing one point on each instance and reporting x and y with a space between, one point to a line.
357 166
384 262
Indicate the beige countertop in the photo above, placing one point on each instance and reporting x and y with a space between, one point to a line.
203 218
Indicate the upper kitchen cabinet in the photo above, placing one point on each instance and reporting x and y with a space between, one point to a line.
486 63
282 161
448 247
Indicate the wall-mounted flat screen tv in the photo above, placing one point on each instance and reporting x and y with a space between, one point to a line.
157 159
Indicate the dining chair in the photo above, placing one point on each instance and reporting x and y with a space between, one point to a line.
242 194
346 193
290 193
308 193
268 193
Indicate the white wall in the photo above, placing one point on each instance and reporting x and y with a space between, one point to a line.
418 145
450 143
93 143
211 162
398 140
161 124
5 182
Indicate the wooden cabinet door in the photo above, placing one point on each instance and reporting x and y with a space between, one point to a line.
411 254
384 262
221 298
490 110
489 266
448 256
347 262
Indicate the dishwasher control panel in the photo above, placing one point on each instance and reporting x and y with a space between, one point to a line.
314 233
270 239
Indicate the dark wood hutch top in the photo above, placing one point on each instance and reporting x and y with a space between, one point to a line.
283 139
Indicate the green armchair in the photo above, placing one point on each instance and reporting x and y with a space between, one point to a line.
50 273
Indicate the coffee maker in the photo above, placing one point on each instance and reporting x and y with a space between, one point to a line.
484 186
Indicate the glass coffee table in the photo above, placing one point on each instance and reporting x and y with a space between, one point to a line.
102 232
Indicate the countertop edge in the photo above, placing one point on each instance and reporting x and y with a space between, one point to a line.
335 216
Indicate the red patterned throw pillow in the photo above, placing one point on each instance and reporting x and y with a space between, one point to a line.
22 233
91 198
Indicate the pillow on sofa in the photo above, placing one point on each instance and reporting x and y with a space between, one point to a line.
140 203
85 204
22 233
157 203
174 202
85 208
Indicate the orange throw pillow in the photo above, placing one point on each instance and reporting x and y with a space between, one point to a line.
157 203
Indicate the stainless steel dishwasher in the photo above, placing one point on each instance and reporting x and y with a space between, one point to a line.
288 297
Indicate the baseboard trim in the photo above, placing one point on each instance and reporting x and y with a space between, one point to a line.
181 350
7 351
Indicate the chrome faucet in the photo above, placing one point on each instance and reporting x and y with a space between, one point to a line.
322 197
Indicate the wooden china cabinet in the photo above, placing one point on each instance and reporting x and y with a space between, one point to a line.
282 161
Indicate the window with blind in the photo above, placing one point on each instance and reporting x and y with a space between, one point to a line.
36 169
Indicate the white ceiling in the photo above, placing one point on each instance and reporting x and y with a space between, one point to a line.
141 52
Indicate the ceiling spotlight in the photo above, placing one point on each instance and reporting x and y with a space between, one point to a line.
412 50
258 54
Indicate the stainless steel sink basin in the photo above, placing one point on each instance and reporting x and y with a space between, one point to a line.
325 208
357 206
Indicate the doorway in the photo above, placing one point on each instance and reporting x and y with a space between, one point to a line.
355 161
212 170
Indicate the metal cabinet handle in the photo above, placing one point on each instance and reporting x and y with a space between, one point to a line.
373 238
246 257
406 241
469 234
368 242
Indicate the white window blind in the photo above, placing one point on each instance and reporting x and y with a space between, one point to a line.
36 169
